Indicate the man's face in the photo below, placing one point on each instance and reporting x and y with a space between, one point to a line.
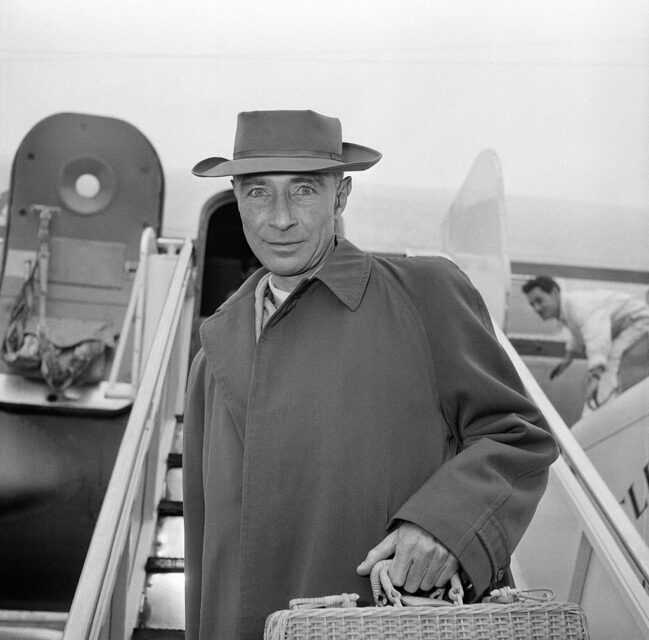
288 219
545 304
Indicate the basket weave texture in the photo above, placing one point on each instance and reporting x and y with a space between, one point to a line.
486 621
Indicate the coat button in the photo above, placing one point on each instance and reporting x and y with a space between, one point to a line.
500 574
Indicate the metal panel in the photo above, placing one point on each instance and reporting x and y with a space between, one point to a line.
91 263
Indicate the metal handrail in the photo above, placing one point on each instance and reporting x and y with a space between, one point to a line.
589 478
133 315
92 598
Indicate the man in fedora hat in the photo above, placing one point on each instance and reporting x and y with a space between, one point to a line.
344 408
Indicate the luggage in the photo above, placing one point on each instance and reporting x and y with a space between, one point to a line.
508 614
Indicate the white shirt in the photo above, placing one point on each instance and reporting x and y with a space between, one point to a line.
278 294
595 318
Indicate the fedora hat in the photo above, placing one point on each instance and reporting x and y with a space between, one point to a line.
288 141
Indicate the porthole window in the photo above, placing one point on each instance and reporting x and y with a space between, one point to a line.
87 186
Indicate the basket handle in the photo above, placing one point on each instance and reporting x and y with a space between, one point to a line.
344 601
385 593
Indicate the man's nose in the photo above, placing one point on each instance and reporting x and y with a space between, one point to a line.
282 217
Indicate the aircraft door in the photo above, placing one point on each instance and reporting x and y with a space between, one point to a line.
101 172
91 184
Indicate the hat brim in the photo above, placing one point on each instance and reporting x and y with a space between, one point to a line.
355 158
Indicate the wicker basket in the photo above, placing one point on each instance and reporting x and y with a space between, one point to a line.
517 621
338 618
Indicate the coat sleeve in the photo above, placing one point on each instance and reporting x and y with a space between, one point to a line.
193 497
479 502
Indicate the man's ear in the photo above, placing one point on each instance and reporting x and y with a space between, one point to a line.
344 189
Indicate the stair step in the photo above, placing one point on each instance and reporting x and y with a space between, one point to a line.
177 444
164 601
165 565
170 508
170 538
175 461
174 485
158 634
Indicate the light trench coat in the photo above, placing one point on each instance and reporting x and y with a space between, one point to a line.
376 393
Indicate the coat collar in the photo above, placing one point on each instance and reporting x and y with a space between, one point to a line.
346 272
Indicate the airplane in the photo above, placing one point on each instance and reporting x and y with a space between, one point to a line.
90 473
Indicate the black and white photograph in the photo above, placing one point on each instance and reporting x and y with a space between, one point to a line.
324 321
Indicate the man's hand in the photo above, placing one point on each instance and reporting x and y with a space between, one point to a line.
591 393
593 385
420 561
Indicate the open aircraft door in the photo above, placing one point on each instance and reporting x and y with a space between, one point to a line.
473 233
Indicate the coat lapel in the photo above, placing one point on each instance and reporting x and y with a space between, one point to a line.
228 339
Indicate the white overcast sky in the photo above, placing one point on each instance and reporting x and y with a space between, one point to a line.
558 88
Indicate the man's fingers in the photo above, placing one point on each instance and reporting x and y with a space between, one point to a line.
430 565
416 574
435 571
429 580
450 567
385 549
400 567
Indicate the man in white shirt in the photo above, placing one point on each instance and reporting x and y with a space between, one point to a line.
602 323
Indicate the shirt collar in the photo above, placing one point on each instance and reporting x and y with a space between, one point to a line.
346 272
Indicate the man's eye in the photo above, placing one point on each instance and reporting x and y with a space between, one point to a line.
256 192
304 190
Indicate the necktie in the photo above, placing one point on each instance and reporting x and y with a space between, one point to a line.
265 305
